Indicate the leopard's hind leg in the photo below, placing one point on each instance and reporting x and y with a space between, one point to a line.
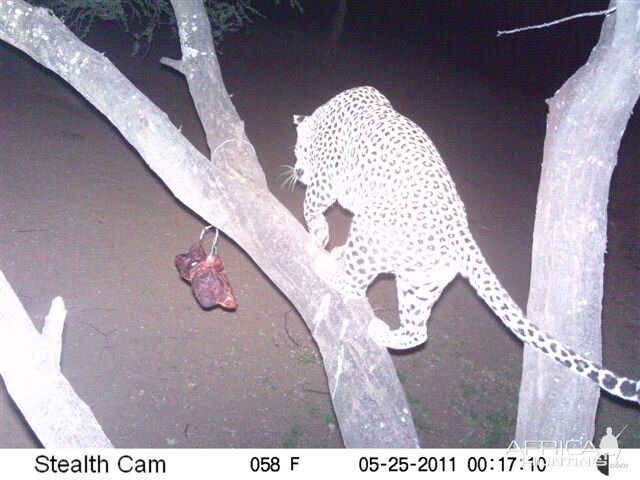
416 296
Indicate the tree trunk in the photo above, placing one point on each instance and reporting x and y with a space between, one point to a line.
587 118
230 193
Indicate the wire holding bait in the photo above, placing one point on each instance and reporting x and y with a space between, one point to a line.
205 230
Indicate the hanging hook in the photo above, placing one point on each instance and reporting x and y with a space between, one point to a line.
214 250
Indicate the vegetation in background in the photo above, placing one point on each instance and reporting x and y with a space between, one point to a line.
142 17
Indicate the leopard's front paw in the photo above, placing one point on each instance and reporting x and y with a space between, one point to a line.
319 231
379 332
331 273
330 268
324 266
337 252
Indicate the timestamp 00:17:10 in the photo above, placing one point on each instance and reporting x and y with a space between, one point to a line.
444 464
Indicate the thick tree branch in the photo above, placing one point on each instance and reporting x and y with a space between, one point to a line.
217 114
30 367
368 398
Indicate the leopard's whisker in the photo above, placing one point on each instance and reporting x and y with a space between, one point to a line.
286 173
285 183
291 181
289 177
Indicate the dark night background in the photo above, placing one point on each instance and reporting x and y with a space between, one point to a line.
83 217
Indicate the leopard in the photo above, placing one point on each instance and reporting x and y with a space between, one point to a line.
408 221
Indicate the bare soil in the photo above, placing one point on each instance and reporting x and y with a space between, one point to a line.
83 217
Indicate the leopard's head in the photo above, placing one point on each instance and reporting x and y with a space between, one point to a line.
303 169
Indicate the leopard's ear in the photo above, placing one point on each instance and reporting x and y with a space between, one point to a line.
298 119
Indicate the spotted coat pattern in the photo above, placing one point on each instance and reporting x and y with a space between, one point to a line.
408 220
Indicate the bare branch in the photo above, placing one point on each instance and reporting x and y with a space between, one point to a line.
53 326
555 22
175 64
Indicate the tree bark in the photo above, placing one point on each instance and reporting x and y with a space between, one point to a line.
230 193
30 367
587 118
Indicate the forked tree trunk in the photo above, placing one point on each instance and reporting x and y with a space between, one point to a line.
587 118
230 192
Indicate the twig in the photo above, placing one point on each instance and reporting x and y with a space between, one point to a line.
555 22
105 335
31 230
286 329
320 392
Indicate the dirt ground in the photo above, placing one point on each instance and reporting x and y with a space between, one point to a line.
83 217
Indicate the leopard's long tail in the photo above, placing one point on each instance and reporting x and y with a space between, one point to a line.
485 282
